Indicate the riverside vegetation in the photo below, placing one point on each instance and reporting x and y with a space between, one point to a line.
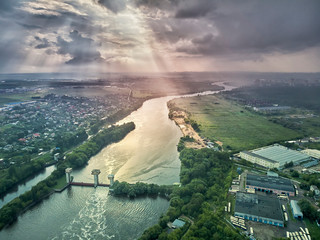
205 178
78 158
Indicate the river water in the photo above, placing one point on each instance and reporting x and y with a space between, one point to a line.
148 154
26 185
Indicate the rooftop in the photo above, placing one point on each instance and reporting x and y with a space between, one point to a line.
178 223
278 183
295 208
280 154
259 205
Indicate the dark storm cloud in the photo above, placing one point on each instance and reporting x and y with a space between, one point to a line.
194 9
81 49
43 43
163 4
113 5
54 17
7 5
253 26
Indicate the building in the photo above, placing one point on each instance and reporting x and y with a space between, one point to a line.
259 208
312 153
296 211
272 174
56 156
315 190
269 184
310 164
271 108
178 223
234 189
274 156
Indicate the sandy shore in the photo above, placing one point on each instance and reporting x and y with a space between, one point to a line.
187 130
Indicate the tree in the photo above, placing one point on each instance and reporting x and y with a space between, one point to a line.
308 210
295 174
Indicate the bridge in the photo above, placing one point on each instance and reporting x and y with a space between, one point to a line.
83 184
95 173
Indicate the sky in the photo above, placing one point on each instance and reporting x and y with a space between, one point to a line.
159 35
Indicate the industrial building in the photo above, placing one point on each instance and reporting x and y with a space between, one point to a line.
312 153
296 211
274 156
270 184
259 208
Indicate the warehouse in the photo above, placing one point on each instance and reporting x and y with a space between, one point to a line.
269 184
296 211
264 209
274 156
312 153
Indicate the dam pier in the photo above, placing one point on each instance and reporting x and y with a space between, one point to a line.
95 173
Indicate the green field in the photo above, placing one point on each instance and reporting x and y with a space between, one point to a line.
232 124
11 98
313 229
61 182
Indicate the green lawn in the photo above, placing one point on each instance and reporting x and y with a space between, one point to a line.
313 229
61 182
232 124
289 211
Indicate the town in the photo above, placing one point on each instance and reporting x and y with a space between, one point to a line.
35 127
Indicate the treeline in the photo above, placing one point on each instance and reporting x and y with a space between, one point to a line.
206 176
76 159
99 123
308 210
193 124
14 174
181 144
140 189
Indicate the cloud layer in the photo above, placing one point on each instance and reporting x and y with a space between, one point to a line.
166 35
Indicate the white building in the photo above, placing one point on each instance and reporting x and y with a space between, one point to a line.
312 153
274 156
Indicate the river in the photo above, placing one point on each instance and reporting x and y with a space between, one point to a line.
148 154
26 185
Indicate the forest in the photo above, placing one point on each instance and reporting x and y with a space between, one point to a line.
140 189
205 178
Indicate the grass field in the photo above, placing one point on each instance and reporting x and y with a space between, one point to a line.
307 126
232 124
61 182
11 98
313 229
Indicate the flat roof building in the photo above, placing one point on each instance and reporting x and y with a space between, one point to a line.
269 184
274 156
296 211
264 209
178 223
312 153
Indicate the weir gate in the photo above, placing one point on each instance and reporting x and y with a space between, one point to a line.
95 173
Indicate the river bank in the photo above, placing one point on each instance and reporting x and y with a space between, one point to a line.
180 117
26 185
